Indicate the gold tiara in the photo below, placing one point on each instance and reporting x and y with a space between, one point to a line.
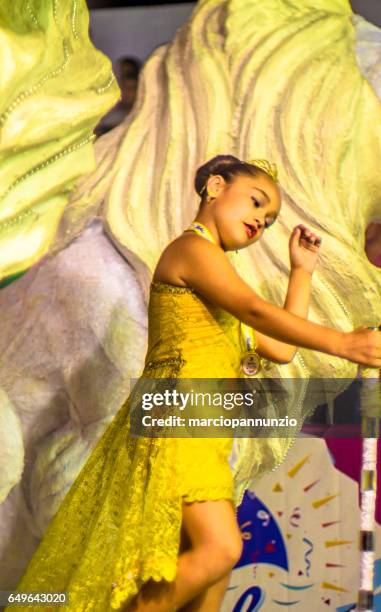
265 165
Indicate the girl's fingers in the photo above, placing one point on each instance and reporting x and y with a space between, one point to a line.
312 237
306 234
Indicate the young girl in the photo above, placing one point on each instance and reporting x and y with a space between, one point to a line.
149 523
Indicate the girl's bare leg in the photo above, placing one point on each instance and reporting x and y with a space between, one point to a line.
210 599
215 547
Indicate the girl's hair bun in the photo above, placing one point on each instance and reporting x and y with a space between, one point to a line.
221 164
228 167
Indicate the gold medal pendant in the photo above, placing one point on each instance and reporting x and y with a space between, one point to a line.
251 363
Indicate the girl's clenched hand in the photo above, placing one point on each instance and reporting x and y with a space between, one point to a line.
304 248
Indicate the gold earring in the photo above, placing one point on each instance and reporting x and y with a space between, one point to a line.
210 195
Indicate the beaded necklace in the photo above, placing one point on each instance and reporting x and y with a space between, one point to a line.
251 362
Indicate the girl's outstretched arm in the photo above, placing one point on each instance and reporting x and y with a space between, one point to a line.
205 267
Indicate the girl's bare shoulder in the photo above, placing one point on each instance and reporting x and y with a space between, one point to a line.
172 262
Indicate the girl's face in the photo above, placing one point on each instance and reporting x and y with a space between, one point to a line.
243 209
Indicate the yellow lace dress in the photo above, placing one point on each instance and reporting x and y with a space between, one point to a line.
119 524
